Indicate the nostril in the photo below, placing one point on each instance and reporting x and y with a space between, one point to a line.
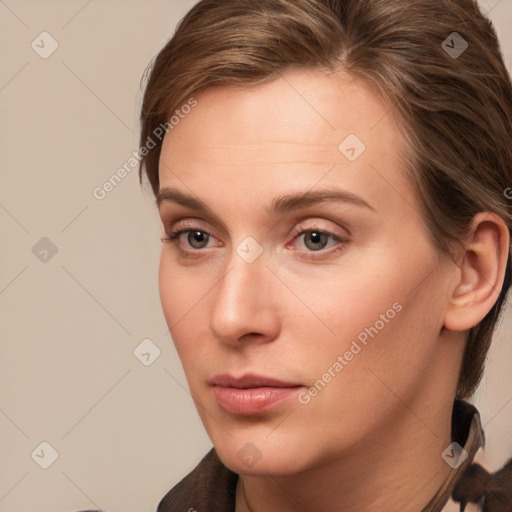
250 336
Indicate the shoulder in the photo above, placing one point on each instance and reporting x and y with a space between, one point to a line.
209 487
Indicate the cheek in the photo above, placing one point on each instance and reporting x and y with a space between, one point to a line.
184 299
351 298
181 290
167 290
177 296
383 313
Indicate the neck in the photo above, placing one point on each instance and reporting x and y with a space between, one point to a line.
400 469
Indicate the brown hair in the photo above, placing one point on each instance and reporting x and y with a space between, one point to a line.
456 110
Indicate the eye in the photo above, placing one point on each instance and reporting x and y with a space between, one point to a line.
316 243
309 243
195 238
316 240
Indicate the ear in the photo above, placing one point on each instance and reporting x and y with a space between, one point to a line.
482 271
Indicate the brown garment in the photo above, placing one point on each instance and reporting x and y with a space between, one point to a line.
211 487
467 432
492 491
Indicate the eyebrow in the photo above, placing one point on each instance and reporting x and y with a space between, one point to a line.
279 205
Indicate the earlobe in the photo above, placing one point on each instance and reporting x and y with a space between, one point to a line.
482 272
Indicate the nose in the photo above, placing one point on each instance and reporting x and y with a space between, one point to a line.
245 309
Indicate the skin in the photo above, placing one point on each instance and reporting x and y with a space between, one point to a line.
372 438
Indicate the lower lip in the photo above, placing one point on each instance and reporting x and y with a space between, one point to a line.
249 401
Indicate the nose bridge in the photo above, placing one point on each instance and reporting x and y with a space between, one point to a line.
246 269
242 302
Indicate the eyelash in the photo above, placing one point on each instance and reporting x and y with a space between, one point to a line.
173 238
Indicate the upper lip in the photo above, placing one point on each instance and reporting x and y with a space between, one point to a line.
250 380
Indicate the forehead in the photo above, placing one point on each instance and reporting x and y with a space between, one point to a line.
307 107
284 134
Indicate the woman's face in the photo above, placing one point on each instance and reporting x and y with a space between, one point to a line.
303 294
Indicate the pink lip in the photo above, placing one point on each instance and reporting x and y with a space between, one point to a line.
251 394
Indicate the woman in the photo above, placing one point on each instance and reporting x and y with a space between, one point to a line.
336 249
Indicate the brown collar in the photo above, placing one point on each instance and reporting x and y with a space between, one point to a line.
467 432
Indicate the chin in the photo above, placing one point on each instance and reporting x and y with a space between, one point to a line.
265 456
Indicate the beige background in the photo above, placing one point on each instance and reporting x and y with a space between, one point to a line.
124 432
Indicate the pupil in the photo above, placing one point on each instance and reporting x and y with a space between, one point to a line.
315 240
197 239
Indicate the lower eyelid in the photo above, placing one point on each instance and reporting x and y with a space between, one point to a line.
320 256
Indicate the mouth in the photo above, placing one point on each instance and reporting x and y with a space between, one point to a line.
251 394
